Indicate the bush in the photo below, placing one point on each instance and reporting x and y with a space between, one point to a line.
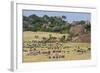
36 36
63 38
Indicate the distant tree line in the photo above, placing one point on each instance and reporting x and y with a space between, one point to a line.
51 24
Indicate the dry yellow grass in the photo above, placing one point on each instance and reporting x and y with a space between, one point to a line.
28 36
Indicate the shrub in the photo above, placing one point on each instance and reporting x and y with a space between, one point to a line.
63 38
36 36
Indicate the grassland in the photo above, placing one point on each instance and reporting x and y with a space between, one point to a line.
70 50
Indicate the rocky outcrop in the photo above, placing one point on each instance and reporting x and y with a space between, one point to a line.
84 38
78 34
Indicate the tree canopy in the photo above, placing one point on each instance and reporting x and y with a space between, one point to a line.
50 23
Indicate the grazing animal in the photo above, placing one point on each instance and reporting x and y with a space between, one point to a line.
81 51
89 49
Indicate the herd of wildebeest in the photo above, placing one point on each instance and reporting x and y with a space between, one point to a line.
53 50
